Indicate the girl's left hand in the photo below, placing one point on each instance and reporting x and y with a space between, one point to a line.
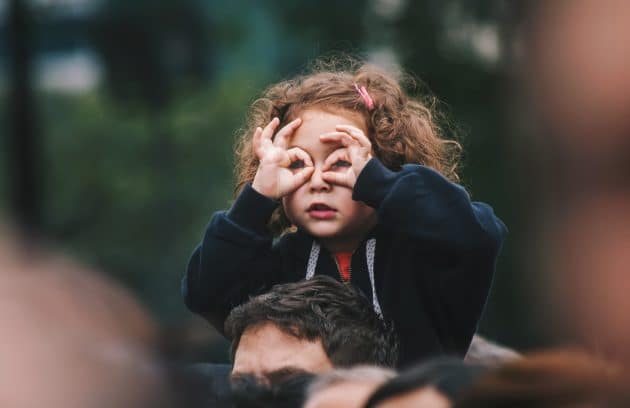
344 165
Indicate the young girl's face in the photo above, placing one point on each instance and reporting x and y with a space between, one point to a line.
327 211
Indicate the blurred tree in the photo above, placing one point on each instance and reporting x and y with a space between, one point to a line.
313 28
153 52
24 145
150 48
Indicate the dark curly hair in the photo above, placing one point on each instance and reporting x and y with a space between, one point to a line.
401 128
321 308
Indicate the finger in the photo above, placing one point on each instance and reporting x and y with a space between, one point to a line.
282 137
342 179
267 132
301 176
356 133
339 154
338 137
257 141
296 153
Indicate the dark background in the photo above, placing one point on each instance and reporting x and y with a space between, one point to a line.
119 117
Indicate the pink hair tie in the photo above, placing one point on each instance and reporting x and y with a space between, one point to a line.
367 99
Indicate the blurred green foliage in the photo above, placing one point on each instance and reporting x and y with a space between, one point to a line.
132 191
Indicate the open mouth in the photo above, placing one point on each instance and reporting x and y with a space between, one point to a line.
321 211
320 207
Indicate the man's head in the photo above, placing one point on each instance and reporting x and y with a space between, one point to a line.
307 326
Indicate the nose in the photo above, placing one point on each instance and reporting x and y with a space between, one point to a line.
317 183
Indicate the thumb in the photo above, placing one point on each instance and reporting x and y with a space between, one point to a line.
300 177
342 179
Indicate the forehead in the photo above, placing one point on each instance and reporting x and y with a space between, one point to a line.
265 348
317 121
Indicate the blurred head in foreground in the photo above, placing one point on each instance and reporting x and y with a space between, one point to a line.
549 379
577 68
435 383
70 338
579 83
348 388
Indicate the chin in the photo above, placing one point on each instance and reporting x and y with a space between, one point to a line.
326 234
323 232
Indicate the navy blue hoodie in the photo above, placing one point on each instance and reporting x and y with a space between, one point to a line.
433 255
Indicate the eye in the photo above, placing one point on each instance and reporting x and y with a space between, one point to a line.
297 164
342 163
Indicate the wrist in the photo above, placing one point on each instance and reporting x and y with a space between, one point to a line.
358 169
373 183
252 210
264 189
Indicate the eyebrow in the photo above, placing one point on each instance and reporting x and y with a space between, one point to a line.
279 375
332 147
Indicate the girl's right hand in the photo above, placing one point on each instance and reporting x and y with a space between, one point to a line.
280 170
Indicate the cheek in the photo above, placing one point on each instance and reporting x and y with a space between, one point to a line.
367 212
288 205
295 199
358 209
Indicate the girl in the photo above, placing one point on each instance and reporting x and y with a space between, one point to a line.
353 179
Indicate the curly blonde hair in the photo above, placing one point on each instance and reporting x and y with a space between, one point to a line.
401 128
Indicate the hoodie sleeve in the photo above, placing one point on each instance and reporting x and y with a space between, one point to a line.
424 204
234 260
461 238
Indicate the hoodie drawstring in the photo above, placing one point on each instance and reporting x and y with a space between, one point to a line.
370 250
